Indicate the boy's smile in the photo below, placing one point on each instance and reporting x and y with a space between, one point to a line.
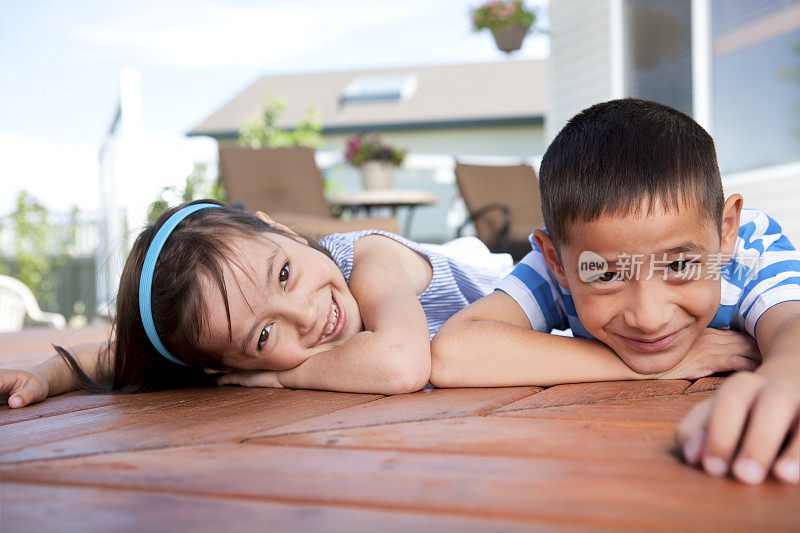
659 291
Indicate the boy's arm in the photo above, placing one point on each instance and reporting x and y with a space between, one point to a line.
490 343
760 409
392 355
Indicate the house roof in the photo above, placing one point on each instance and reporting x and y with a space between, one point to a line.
445 95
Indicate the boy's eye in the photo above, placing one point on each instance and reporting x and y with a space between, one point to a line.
607 276
262 339
679 266
283 276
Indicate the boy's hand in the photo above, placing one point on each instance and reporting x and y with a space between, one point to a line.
23 387
260 378
716 350
750 427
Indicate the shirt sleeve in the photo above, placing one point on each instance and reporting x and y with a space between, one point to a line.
776 276
532 286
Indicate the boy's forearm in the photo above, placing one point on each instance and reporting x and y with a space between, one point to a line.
782 354
359 366
487 353
60 378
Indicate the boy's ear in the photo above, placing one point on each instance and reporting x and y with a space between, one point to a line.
263 217
550 256
731 212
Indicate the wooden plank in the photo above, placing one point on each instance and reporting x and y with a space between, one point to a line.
710 383
574 492
56 405
648 443
654 409
32 345
427 404
168 418
581 393
36 508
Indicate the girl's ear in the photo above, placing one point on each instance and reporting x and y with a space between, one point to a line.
550 254
731 212
263 217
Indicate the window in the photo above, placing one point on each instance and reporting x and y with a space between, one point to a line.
380 89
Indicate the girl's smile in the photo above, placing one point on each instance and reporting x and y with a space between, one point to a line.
287 302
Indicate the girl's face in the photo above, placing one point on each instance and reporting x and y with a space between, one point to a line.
287 302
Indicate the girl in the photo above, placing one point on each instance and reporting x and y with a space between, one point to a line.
213 292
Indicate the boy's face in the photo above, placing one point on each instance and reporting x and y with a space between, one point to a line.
659 289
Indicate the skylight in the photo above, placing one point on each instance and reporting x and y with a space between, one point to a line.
380 89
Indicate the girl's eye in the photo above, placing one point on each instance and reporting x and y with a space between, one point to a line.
283 276
262 339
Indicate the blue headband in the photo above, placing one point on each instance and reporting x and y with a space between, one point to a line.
146 279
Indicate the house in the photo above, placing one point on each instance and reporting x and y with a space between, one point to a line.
733 65
436 112
483 108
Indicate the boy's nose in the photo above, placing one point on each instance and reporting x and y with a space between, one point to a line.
648 312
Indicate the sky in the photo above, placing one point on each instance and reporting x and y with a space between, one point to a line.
60 63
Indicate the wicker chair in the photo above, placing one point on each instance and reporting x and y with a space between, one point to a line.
503 203
286 184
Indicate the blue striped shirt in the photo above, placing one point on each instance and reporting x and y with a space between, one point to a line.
763 271
463 271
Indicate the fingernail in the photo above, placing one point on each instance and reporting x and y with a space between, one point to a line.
748 471
16 401
715 466
788 470
691 450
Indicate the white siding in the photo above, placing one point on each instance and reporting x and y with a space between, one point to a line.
774 190
580 59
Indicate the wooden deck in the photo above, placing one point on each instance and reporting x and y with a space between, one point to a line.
595 456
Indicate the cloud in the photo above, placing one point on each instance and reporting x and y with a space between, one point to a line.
59 175
209 34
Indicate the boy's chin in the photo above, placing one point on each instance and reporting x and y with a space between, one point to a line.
657 363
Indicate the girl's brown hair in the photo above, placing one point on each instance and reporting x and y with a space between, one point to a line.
197 248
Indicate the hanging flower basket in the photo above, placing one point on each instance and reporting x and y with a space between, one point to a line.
510 39
508 20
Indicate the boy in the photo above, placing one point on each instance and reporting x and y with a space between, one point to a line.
642 253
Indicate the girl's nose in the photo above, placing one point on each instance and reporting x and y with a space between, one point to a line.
303 313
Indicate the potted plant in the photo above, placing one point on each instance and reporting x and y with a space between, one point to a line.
375 160
508 20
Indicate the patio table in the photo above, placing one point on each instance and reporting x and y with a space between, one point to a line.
591 456
369 200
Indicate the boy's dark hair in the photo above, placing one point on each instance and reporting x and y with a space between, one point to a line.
613 156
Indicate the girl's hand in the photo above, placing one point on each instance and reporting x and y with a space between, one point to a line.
760 412
23 387
261 378
716 350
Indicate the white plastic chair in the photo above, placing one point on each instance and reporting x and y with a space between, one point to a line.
17 301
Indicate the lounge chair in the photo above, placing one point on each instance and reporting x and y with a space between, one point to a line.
286 184
17 303
503 204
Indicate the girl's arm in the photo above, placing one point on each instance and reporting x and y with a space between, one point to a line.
490 343
392 355
50 377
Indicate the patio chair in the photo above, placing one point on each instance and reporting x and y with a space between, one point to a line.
18 302
286 184
503 204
